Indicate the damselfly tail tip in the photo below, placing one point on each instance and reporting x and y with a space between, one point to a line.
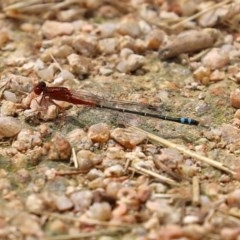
189 121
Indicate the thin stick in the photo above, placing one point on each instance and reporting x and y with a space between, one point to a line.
86 220
195 191
127 164
162 195
183 150
163 167
74 158
21 4
56 62
153 174
199 14
115 231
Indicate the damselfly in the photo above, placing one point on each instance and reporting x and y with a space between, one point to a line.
89 99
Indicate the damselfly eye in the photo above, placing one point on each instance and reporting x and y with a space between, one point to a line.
39 88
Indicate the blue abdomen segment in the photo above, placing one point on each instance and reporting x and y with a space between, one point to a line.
189 121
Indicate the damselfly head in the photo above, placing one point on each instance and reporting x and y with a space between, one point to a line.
39 88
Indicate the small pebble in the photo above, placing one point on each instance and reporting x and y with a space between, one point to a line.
51 29
235 98
106 30
8 108
62 51
132 63
230 233
112 188
195 231
63 203
154 39
10 96
76 135
237 114
25 220
233 198
125 53
170 231
230 134
212 189
108 45
126 42
58 148
233 69
85 46
129 26
28 27
114 171
9 127
23 176
105 71
99 133
57 226
81 200
225 178
127 137
35 204
202 74
94 173
4 38
108 12
209 18
190 219
96 183
143 192
215 59
80 65
64 75
100 211
237 77
217 76
46 74
85 160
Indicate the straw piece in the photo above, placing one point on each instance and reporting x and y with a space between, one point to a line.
74 158
183 150
153 174
177 25
195 191
93 234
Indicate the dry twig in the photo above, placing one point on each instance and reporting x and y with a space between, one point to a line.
153 174
195 191
105 232
188 152
220 4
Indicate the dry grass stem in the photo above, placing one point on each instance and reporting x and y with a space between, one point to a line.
74 158
106 232
220 4
162 195
22 4
195 191
127 164
86 220
160 165
183 150
153 174
233 215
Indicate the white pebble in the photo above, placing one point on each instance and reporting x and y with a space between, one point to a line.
10 96
51 29
9 126
100 211
115 170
